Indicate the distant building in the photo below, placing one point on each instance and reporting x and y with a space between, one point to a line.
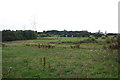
105 32
66 35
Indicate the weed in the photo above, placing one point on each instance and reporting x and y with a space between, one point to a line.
25 61
38 45
44 61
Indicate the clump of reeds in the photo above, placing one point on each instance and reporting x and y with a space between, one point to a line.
38 45
25 61
43 62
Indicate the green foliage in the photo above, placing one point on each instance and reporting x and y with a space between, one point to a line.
118 39
103 37
108 40
68 33
91 39
8 35
112 39
44 35
98 35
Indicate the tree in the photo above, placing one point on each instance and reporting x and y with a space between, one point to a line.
8 35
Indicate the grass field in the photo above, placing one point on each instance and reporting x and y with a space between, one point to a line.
91 60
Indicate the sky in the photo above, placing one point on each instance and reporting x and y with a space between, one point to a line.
71 15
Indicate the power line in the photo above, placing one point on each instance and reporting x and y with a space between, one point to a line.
34 23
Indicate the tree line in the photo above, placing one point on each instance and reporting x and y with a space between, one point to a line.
65 33
8 35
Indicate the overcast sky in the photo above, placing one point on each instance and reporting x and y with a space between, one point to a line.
90 15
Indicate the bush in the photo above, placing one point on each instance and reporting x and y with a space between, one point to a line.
96 37
103 38
112 40
91 40
108 40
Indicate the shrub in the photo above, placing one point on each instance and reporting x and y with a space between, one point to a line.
112 40
108 40
103 38
114 46
96 37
